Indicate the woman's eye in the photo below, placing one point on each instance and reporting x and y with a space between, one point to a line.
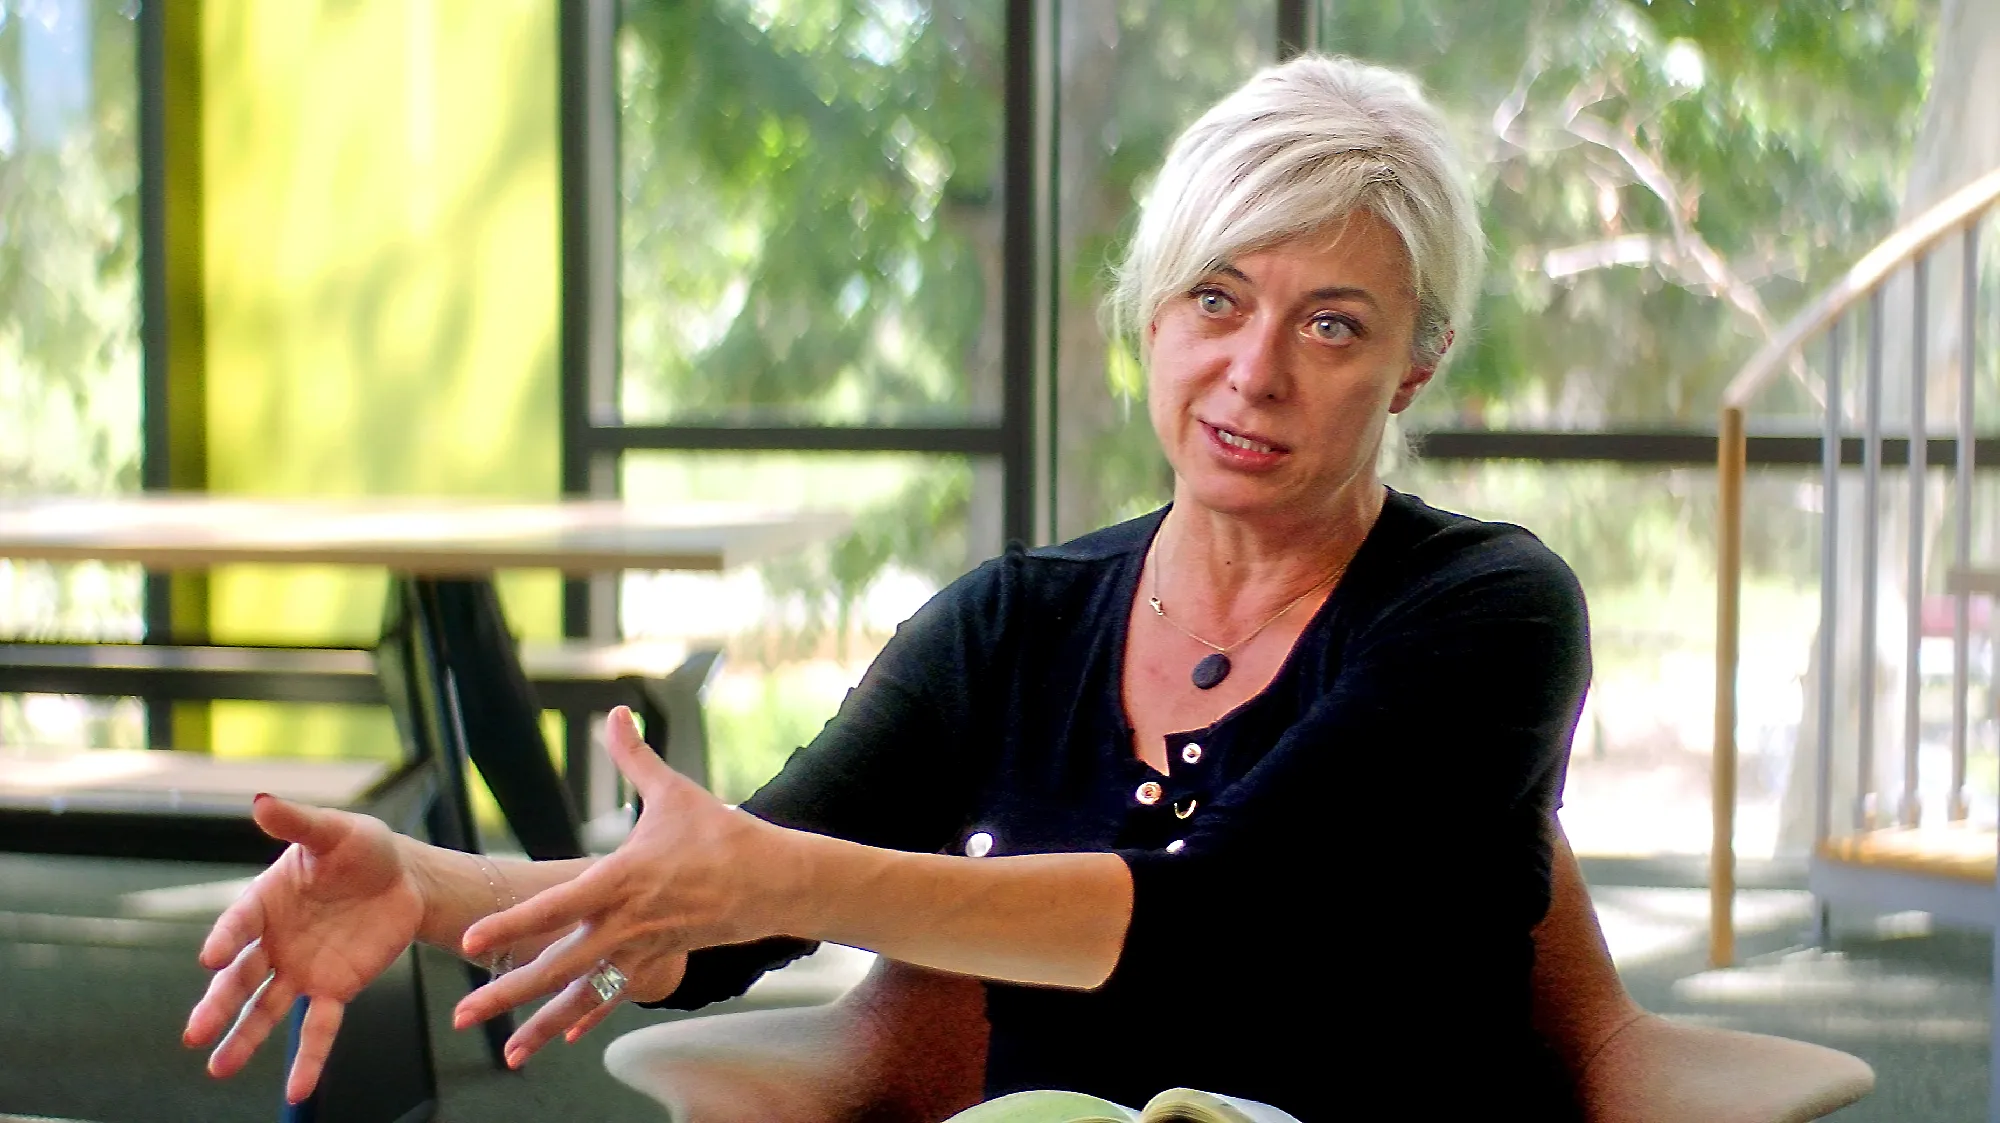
1331 329
1212 303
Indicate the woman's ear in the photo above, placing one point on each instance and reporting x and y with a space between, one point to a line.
1418 377
1412 384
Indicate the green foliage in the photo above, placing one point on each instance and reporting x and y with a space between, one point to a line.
1662 183
809 191
69 245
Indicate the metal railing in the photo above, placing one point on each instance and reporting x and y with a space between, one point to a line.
1826 321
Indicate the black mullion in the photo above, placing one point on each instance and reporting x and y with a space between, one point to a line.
586 45
152 263
1018 288
153 461
1048 133
1662 448
586 31
1296 30
974 440
1657 447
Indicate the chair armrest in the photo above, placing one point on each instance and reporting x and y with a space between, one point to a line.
906 1045
1654 1070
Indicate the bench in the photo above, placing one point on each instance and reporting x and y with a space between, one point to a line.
661 682
193 807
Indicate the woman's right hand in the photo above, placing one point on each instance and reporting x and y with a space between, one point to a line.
332 913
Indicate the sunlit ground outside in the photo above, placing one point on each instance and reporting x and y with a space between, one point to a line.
82 601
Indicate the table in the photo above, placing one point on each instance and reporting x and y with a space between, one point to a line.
447 664
450 671
434 537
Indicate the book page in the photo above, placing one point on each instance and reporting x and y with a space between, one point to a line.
1046 1107
1187 1105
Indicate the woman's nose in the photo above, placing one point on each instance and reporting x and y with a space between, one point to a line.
1257 362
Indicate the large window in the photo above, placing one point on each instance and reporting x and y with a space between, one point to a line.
69 323
811 212
857 249
822 294
812 205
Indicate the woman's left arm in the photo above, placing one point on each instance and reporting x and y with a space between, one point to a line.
696 873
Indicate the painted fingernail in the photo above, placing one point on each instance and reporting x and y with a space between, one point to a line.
260 796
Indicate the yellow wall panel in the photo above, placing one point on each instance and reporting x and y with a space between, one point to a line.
382 275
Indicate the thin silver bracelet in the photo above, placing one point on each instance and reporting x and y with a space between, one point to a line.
503 961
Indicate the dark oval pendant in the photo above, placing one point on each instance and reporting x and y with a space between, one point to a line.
1211 670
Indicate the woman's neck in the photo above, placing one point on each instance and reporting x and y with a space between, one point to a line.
1228 567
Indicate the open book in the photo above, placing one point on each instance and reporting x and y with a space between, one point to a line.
1175 1105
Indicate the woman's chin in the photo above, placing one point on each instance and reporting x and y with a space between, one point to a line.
1240 496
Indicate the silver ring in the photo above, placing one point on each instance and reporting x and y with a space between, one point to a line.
607 980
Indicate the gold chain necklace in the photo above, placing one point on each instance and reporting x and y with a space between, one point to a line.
1212 669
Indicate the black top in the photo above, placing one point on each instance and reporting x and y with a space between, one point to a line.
1334 888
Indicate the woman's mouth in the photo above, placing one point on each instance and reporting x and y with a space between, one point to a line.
1241 448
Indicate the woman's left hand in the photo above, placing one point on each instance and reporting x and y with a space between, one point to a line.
693 873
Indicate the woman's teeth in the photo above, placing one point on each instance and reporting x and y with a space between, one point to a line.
1234 441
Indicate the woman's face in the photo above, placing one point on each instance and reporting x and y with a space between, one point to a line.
1271 378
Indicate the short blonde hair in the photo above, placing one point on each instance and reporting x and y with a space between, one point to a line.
1298 148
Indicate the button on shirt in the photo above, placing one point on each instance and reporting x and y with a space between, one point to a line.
1315 876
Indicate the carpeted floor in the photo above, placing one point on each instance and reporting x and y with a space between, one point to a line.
97 972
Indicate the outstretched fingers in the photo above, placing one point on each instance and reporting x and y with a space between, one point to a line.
568 958
589 1021
239 926
264 1011
227 992
578 1000
316 1034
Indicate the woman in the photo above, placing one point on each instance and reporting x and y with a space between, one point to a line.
1250 794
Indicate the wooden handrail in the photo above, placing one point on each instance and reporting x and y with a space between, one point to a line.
1908 243
1731 456
1897 250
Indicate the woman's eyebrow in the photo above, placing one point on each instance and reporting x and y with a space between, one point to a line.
1344 292
1330 292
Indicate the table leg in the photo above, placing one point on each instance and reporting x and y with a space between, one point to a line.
491 712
